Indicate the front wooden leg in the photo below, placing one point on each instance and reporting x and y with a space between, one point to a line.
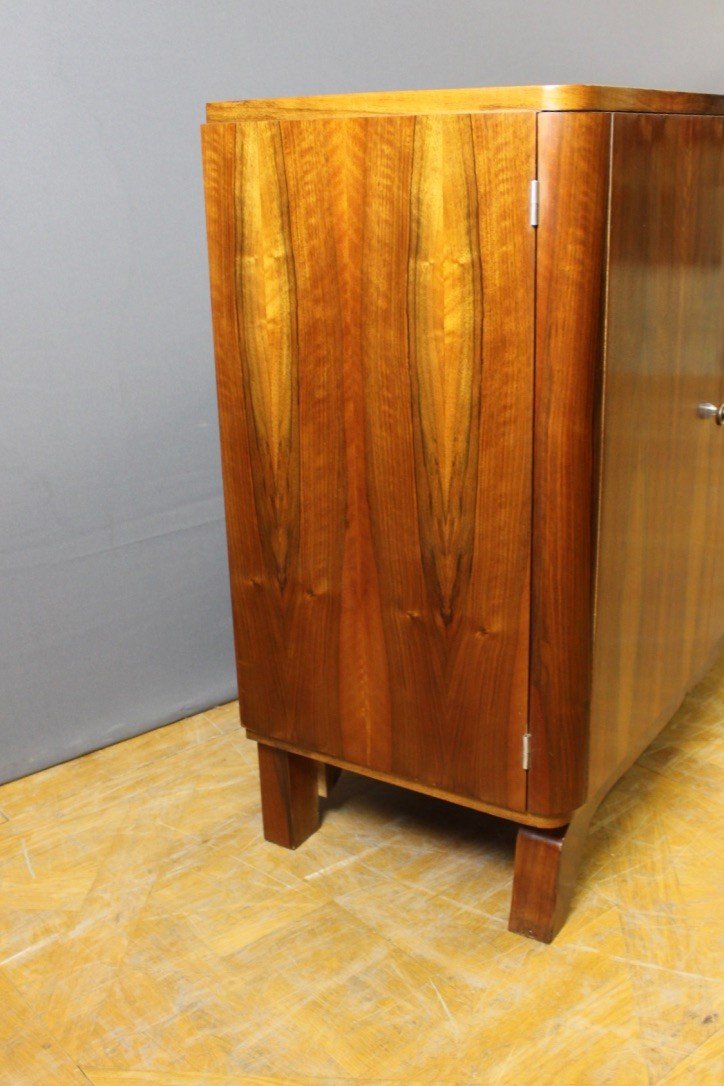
546 867
289 796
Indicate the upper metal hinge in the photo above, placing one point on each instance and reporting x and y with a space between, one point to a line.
526 751
534 202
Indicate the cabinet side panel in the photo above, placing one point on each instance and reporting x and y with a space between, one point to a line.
252 621
573 152
658 614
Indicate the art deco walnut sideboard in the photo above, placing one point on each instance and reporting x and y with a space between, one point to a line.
470 373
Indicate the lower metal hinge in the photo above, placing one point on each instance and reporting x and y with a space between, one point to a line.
534 202
526 751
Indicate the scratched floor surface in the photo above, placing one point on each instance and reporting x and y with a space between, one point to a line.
149 935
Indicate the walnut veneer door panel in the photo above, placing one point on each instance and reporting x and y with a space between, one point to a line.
372 291
659 601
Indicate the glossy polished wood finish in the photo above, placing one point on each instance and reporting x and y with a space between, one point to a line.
467 491
573 153
524 818
372 290
289 796
659 606
474 99
546 868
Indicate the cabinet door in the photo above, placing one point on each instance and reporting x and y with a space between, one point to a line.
659 595
372 292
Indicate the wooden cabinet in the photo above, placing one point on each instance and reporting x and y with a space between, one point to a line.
473 511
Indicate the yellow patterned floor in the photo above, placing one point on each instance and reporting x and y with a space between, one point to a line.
149 935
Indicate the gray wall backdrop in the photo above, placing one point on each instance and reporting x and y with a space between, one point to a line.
114 609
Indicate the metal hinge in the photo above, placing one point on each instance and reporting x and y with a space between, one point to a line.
534 202
526 751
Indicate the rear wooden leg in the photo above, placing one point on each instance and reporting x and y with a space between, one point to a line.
546 867
289 796
328 777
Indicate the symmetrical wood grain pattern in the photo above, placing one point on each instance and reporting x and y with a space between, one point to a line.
372 289
289 795
282 425
445 353
573 153
467 100
659 605
468 494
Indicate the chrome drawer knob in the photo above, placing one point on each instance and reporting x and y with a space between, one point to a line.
711 411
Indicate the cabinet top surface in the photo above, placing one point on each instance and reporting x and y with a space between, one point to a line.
550 97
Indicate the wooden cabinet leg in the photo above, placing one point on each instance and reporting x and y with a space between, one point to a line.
328 777
289 796
546 867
